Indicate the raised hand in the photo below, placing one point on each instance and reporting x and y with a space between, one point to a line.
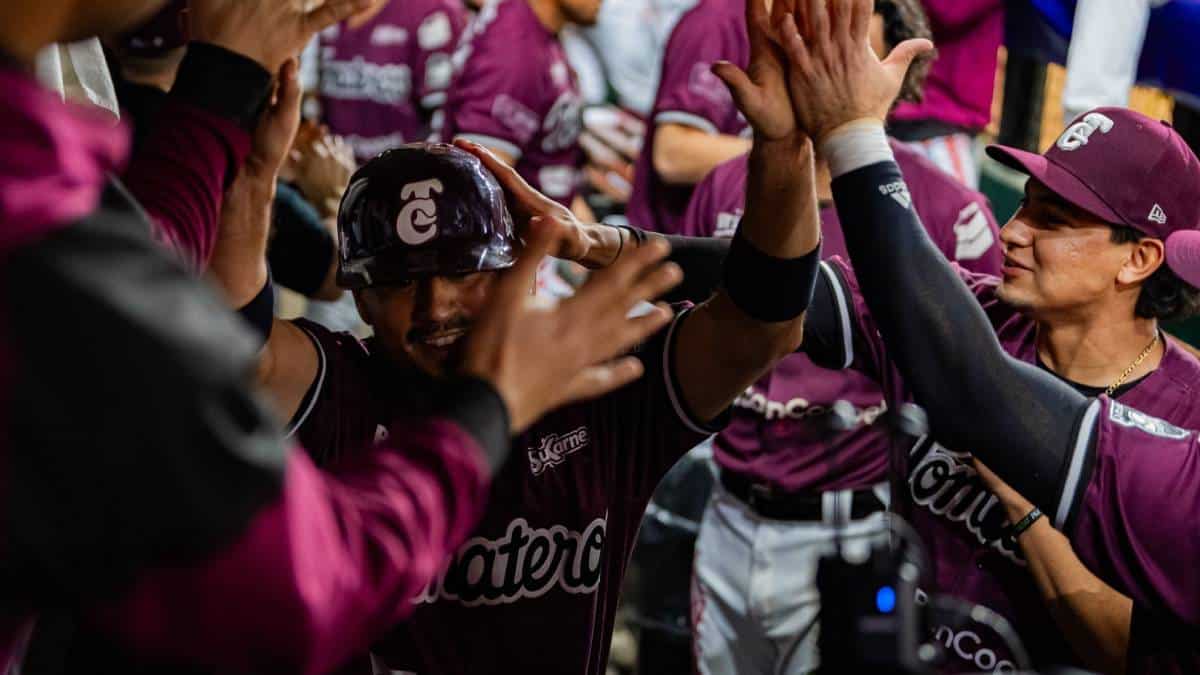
268 31
572 241
540 355
277 126
761 91
834 76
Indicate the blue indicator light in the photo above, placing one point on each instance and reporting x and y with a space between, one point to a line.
885 599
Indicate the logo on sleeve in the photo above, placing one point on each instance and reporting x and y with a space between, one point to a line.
1136 419
417 221
554 449
1157 215
972 236
898 191
1077 135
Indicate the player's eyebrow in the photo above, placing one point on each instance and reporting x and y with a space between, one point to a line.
1050 201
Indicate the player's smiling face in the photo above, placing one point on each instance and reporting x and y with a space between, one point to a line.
1059 260
424 324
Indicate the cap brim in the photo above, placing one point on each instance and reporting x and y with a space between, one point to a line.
1060 181
1183 255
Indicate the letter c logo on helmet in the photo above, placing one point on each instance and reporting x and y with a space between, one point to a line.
417 221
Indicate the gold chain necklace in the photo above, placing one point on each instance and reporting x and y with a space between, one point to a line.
1136 362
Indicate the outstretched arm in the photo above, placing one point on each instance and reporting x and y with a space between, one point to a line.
746 327
935 331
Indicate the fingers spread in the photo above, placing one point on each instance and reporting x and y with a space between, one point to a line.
860 20
794 45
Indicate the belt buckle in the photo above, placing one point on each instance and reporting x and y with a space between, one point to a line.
759 493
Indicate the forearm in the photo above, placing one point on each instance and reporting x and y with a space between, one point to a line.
747 327
684 155
1093 616
197 145
1016 419
238 263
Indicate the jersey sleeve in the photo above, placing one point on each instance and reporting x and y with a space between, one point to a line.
689 94
494 100
438 32
652 416
1128 504
333 412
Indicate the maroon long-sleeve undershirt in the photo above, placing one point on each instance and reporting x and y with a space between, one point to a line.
197 143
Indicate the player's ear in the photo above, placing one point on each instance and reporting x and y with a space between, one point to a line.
1146 256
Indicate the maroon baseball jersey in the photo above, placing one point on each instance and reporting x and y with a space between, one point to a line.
778 434
689 94
514 90
535 589
381 82
1110 518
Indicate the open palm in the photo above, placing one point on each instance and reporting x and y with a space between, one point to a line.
761 92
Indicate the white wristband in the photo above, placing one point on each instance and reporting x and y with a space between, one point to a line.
852 146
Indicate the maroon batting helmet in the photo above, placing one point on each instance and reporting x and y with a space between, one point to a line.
420 210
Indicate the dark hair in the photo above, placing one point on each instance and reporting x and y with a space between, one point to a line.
1164 296
905 20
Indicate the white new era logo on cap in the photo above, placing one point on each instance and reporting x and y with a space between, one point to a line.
1157 215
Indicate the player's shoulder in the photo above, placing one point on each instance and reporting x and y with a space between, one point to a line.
1176 385
335 348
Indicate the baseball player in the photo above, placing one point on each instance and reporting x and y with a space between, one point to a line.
515 93
694 125
425 228
145 486
777 457
1107 474
385 71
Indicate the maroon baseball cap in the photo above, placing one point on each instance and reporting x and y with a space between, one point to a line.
1126 169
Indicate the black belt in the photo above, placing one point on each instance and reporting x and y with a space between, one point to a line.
770 502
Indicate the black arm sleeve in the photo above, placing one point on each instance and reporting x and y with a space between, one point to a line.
1019 420
702 260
